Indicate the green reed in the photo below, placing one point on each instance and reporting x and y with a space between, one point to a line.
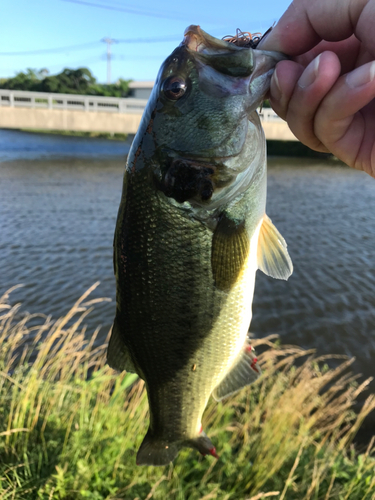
70 426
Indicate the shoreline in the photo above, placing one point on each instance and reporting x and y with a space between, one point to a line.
73 133
274 148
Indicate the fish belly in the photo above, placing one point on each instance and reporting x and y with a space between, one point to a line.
231 330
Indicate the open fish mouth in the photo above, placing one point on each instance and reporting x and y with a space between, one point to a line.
224 56
199 41
232 55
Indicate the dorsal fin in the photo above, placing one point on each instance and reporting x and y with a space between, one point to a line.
273 257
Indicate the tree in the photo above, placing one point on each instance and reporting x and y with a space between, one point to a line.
69 81
25 81
118 89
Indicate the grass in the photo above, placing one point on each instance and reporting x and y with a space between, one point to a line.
70 426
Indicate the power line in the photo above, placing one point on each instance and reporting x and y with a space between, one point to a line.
159 14
130 10
122 57
170 38
46 51
80 63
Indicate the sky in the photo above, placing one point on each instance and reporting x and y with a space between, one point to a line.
56 34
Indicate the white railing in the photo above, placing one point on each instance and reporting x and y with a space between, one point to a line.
24 99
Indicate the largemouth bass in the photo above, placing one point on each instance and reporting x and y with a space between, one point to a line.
191 233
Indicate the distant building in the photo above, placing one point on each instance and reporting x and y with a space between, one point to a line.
140 90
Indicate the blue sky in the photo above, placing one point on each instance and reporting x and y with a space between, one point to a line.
27 26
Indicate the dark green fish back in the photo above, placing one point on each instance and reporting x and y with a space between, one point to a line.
159 307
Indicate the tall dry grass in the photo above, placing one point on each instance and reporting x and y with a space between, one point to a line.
70 426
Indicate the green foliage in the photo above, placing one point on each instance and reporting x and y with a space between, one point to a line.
28 80
70 426
118 89
74 81
69 81
266 103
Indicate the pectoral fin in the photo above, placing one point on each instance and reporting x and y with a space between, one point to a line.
244 372
118 355
230 248
273 257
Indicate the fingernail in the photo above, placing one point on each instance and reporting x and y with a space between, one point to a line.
275 87
310 73
360 76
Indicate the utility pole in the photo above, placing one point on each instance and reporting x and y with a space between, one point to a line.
109 42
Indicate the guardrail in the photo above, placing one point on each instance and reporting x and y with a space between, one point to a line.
24 99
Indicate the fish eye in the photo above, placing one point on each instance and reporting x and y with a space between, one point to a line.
174 87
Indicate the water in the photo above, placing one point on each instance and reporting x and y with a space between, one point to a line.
58 205
16 145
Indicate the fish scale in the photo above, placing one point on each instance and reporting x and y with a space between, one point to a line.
191 232
191 307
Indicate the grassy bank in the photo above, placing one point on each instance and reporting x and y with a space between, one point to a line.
70 426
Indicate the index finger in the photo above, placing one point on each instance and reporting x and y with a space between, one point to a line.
306 22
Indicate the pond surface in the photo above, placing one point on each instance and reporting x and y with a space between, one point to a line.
58 204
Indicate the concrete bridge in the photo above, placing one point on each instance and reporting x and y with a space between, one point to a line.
38 110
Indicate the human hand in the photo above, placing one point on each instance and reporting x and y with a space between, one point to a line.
326 92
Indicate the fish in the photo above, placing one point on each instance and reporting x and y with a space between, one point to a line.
191 232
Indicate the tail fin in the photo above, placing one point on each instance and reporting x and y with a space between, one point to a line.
154 451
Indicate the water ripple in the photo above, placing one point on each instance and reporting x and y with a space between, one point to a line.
57 218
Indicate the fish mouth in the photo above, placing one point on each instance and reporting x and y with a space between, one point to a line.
229 58
197 40
225 57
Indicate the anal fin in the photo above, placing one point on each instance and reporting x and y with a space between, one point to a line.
118 355
273 257
245 371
